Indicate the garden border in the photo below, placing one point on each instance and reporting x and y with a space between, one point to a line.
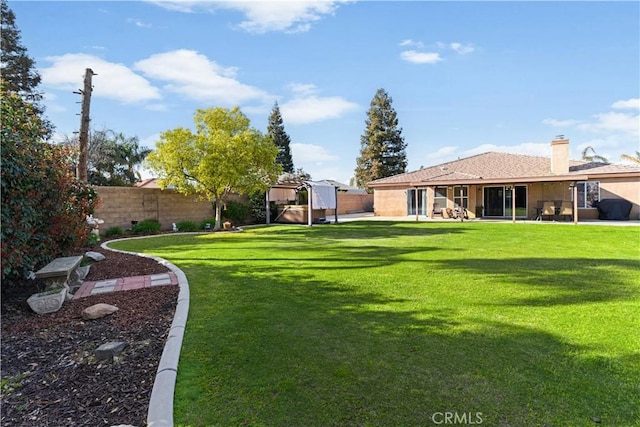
160 411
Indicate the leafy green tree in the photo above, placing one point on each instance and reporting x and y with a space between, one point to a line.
224 155
382 146
17 70
589 154
275 129
112 158
44 207
635 159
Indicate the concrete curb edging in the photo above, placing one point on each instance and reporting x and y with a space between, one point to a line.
160 413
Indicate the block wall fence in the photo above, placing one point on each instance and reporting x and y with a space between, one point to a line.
121 205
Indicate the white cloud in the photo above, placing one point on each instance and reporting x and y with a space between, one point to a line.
310 153
420 57
303 88
630 104
560 123
114 81
195 76
150 141
409 42
462 49
310 109
265 16
138 23
613 122
443 152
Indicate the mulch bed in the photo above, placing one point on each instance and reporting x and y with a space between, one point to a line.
50 374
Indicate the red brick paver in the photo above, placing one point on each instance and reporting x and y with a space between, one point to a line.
125 284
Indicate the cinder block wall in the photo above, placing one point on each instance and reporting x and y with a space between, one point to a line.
353 203
121 205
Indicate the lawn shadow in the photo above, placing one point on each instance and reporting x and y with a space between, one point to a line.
278 349
561 281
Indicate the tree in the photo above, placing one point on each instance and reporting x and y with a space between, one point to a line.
44 208
112 157
275 130
634 159
17 72
224 155
382 147
589 154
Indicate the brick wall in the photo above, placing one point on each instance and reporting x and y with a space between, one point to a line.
121 205
353 203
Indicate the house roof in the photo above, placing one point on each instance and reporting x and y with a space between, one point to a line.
344 187
503 167
148 183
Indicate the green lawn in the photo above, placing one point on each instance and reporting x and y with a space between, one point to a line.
405 324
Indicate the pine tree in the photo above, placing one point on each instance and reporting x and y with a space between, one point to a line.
18 73
275 130
382 146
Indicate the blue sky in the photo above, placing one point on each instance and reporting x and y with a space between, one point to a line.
465 77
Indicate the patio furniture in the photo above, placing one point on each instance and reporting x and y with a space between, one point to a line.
566 210
437 210
538 216
614 209
549 210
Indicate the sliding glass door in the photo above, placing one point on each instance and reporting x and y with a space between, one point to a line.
498 201
421 202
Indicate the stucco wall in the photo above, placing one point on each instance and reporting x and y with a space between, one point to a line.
390 202
393 201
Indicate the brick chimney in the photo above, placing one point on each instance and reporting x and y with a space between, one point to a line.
560 155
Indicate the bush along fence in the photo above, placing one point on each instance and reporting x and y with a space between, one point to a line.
123 207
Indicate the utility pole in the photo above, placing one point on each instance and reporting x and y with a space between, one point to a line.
83 139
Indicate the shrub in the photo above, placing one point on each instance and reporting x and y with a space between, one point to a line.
187 226
44 208
235 212
148 226
113 231
206 221
258 209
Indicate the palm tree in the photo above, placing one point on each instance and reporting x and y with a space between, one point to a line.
589 154
635 159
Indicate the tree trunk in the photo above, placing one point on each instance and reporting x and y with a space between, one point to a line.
217 204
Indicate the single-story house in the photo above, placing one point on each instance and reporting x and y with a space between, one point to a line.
511 186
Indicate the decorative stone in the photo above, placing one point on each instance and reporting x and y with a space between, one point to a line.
95 256
60 273
47 302
110 350
98 311
83 271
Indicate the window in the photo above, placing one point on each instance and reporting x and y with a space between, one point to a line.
461 196
440 196
588 194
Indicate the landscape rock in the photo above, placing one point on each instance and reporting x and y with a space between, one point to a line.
110 350
95 256
83 271
98 311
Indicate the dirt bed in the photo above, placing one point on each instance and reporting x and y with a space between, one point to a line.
50 374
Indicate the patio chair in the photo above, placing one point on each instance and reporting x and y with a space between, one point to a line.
566 210
549 209
437 210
